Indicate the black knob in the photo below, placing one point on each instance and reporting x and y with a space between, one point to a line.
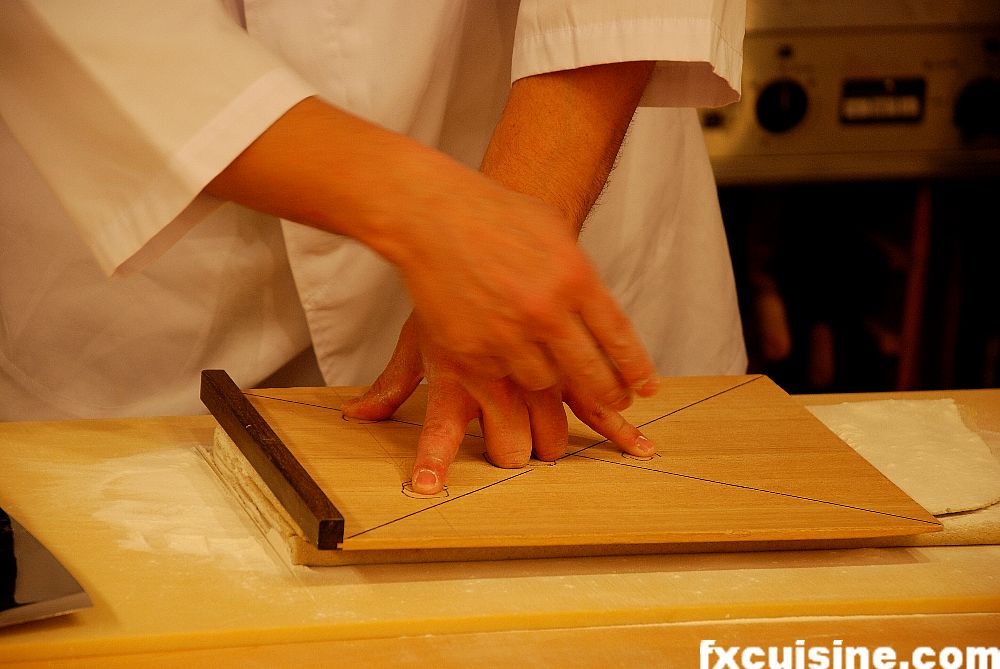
977 109
781 105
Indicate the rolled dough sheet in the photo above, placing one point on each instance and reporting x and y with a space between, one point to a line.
922 446
926 449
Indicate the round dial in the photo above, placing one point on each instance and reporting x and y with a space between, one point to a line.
782 105
977 109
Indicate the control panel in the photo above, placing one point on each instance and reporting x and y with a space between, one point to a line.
856 102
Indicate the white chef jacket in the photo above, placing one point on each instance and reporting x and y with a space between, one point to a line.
115 120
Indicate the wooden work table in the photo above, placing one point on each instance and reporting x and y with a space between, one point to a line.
195 602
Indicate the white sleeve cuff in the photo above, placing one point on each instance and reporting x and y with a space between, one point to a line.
176 195
699 59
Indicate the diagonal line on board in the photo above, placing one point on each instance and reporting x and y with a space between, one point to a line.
442 503
390 419
323 406
749 487
669 413
285 399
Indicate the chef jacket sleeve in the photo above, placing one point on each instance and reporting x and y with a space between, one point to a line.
128 109
697 44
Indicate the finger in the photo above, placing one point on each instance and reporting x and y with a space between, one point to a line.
396 382
505 422
449 410
549 429
586 369
611 425
613 331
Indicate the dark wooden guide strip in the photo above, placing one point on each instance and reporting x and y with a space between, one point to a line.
297 492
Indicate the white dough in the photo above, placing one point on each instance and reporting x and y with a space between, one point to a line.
922 446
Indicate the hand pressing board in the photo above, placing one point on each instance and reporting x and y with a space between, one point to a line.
739 466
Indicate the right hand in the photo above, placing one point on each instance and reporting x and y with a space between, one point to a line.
516 423
498 282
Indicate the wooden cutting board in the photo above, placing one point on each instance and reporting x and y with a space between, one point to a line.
739 466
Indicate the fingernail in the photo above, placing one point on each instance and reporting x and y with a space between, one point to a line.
644 445
425 481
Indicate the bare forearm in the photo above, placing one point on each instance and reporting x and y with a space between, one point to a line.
560 133
326 168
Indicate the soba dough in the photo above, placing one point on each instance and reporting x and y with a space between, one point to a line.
923 447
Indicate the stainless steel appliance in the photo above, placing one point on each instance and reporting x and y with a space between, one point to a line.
859 178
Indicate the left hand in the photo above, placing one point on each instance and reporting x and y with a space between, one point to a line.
516 423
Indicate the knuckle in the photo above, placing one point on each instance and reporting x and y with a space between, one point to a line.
438 431
539 309
535 378
598 414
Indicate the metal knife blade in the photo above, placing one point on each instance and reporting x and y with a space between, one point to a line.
33 584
